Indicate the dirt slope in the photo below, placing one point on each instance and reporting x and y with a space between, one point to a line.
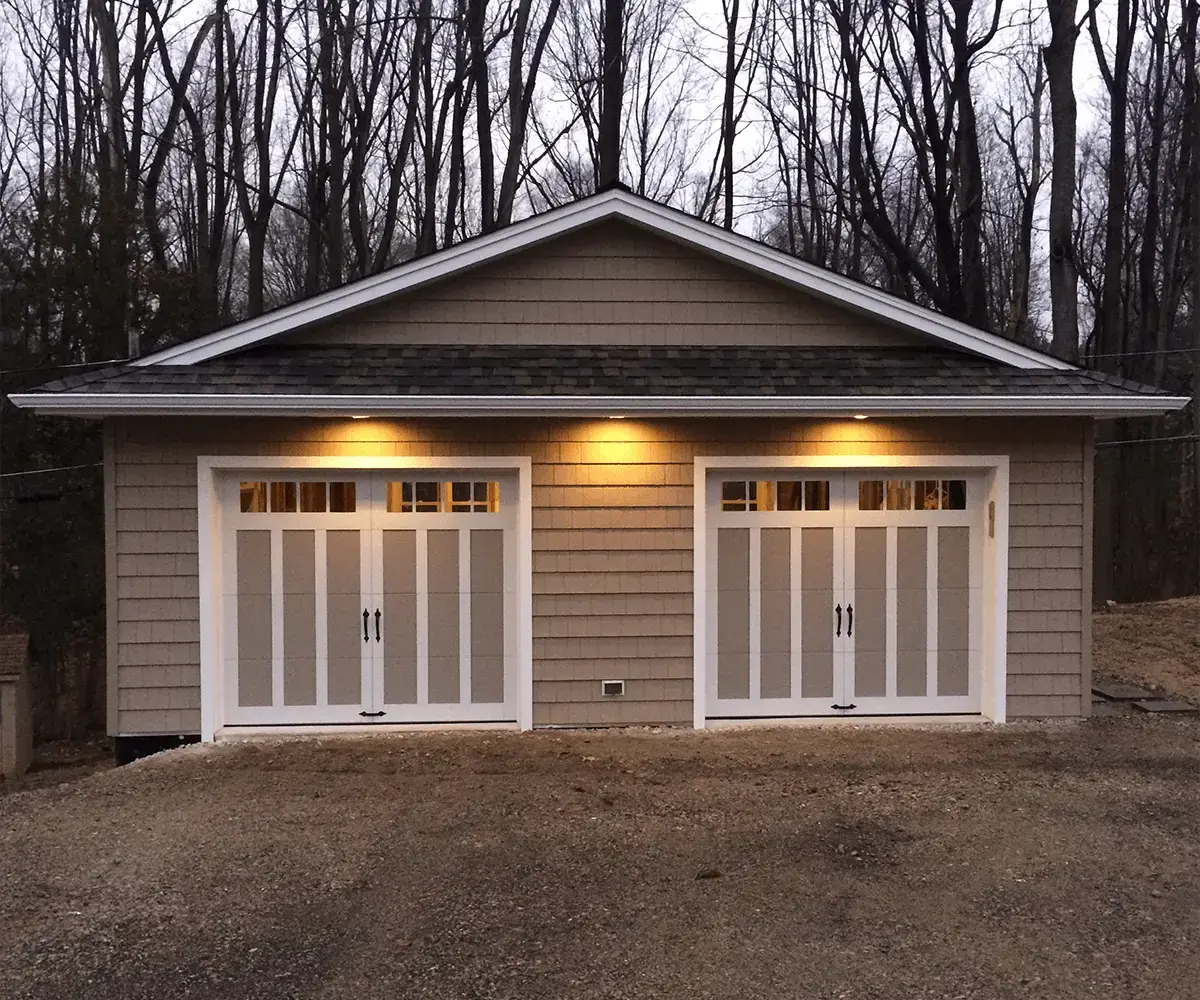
1155 645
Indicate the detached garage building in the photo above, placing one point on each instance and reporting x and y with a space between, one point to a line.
610 465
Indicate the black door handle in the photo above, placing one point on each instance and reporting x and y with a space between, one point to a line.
377 617
849 619
839 623
366 621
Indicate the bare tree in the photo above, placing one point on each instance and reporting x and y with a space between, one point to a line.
1059 56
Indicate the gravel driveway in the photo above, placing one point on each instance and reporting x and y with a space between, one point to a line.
1034 861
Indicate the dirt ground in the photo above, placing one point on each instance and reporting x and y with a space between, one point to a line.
1031 861
1154 645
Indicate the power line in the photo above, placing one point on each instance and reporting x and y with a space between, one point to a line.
56 468
54 368
1159 440
1135 354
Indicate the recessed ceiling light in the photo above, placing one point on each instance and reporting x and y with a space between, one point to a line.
617 416
359 416
860 416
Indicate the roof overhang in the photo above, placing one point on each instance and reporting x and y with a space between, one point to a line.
658 219
107 404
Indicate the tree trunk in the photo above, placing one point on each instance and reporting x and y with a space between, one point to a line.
612 58
1064 278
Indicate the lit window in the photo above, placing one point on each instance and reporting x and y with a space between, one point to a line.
312 498
254 498
342 498
742 495
870 494
283 498
425 497
811 494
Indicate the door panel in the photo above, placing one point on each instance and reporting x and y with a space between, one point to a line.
255 652
299 618
953 611
912 614
488 634
348 631
399 564
816 613
775 613
733 613
866 613
443 589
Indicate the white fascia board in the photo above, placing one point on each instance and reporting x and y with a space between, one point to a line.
675 225
218 404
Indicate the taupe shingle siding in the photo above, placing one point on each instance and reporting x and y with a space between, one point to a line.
612 546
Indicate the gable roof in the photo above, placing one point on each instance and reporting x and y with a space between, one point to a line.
620 205
519 379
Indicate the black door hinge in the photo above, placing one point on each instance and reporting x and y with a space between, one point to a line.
843 708
372 715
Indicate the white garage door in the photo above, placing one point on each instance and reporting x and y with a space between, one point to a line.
369 597
843 593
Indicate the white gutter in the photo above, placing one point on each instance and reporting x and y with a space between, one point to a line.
103 404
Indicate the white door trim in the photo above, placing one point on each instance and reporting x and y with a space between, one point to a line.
995 557
208 467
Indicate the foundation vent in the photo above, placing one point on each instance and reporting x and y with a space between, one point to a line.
612 689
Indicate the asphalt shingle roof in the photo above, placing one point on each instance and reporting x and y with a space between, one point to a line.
513 370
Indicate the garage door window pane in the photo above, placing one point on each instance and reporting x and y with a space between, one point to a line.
742 495
954 494
870 494
312 498
927 494
790 495
899 494
816 494
283 498
254 498
342 498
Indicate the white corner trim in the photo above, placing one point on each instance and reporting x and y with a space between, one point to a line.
212 703
101 404
994 669
675 225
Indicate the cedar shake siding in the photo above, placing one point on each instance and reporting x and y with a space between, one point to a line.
609 284
612 545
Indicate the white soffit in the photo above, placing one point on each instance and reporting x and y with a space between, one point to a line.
616 204
101 404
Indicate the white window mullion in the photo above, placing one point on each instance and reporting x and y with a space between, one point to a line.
422 616
464 615
890 598
276 616
931 605
321 615
755 584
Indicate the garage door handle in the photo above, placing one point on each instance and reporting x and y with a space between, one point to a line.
849 619
378 615
839 624
366 622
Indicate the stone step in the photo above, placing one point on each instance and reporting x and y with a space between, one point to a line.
1165 705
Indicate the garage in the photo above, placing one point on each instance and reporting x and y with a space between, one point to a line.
849 591
368 597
